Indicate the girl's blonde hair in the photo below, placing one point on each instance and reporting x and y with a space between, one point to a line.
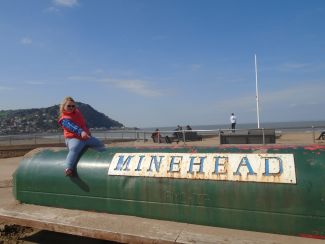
64 101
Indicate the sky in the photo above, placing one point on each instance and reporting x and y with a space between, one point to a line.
151 63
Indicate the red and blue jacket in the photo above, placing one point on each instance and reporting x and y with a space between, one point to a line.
73 124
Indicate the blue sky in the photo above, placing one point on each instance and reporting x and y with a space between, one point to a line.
151 63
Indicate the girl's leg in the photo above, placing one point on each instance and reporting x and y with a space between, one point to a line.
75 147
96 144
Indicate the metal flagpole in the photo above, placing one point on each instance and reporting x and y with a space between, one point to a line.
257 107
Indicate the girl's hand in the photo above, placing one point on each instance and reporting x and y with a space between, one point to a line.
84 135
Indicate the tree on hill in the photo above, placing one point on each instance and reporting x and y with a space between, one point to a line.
96 119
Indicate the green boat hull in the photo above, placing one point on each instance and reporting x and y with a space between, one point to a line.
293 208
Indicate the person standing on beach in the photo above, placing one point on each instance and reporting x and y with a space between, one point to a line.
233 120
76 133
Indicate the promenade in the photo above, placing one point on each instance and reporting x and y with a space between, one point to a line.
289 138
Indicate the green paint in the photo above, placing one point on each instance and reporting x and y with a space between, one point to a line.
276 208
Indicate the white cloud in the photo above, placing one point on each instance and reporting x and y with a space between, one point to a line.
5 88
309 95
83 78
139 87
195 67
35 83
304 67
244 103
98 71
26 41
295 96
294 66
66 3
51 10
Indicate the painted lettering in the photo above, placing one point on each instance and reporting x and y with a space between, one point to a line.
258 167
155 162
220 163
141 157
244 162
276 162
175 161
122 162
200 163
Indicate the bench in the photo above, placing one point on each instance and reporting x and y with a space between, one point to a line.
252 136
162 139
189 136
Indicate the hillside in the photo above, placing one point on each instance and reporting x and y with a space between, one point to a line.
38 120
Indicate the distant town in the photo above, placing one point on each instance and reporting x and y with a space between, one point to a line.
37 123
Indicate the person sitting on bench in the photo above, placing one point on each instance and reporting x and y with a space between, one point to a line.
156 135
158 138
178 134
321 136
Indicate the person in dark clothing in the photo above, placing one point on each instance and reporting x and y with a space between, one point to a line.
157 137
321 136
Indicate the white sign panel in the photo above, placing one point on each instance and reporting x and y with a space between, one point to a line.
271 168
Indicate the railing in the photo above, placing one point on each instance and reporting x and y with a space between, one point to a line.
145 135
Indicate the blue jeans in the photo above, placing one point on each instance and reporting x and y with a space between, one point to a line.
76 146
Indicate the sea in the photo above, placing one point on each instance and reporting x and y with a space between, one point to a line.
292 126
144 133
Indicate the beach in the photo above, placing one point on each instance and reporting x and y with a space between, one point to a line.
18 234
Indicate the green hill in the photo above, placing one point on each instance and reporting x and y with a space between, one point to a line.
39 120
